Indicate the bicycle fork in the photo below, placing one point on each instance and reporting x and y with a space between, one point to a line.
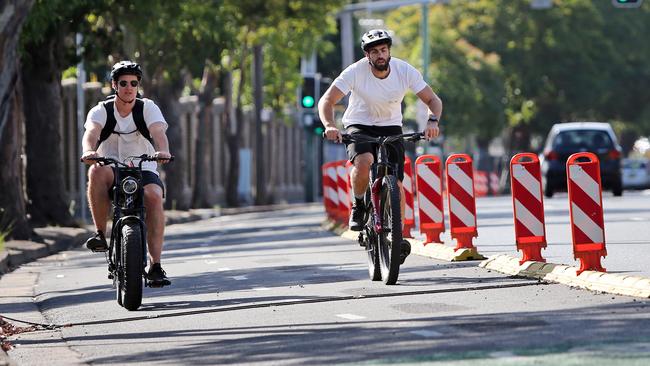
374 195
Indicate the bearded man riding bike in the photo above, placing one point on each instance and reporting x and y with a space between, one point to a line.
377 85
123 126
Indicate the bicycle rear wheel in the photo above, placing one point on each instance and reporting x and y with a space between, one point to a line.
390 238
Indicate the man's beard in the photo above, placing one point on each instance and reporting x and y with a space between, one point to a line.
383 67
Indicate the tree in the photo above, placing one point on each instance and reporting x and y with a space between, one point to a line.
12 202
48 48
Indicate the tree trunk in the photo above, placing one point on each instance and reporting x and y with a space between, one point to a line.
13 218
48 203
201 194
166 94
232 143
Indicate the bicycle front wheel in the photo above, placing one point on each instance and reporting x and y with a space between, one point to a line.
390 238
130 287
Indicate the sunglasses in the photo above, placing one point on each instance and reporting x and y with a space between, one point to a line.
124 83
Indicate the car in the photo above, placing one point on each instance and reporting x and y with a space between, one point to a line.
636 173
565 139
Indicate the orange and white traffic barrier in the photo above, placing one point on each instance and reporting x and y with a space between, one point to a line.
494 184
528 205
481 186
409 204
330 190
585 202
461 200
342 183
429 191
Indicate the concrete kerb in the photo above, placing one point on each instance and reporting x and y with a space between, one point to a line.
619 284
612 283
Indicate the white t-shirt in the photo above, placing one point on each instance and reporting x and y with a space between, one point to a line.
374 101
127 144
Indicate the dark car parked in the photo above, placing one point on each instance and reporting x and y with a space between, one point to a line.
565 139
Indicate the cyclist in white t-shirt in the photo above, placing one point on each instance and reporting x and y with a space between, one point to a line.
377 85
138 126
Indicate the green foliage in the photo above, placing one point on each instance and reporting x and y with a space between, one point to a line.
499 63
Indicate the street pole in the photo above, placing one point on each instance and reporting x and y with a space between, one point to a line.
260 161
81 103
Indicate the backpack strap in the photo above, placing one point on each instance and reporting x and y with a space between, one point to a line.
111 122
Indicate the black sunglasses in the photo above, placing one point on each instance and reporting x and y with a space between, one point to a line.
124 83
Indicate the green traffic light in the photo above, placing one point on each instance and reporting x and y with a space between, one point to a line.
307 101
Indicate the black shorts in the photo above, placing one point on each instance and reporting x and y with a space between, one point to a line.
148 177
395 150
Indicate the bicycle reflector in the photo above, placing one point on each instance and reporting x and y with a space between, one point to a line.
129 185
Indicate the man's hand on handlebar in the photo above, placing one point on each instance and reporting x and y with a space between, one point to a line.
431 131
87 157
333 134
164 156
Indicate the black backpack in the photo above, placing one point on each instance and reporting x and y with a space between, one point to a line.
138 117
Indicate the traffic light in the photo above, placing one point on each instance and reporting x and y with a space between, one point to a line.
627 3
308 92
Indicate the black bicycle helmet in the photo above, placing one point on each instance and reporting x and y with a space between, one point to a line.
125 68
374 37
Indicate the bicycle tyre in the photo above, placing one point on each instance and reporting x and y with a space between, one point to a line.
390 239
132 261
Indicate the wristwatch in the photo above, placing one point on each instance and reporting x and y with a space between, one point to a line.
432 118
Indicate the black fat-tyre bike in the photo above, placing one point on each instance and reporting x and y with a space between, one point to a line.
127 251
382 231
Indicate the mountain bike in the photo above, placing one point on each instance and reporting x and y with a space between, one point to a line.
127 251
382 232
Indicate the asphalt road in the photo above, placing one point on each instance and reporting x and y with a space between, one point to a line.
274 288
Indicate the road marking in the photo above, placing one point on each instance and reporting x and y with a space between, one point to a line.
222 269
638 219
239 278
206 256
426 333
350 316
261 289
60 276
211 261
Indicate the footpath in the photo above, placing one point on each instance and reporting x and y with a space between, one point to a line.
57 239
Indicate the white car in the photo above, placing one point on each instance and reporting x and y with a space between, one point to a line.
636 173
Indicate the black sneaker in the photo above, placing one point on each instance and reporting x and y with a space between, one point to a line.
405 250
157 277
356 216
97 243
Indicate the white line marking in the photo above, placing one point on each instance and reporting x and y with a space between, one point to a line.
239 278
211 261
223 269
426 333
350 316
261 289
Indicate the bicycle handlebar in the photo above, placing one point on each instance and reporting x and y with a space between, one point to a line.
103 160
350 138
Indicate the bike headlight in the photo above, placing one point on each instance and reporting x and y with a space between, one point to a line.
129 185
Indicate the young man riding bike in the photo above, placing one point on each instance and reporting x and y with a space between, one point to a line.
121 127
377 85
